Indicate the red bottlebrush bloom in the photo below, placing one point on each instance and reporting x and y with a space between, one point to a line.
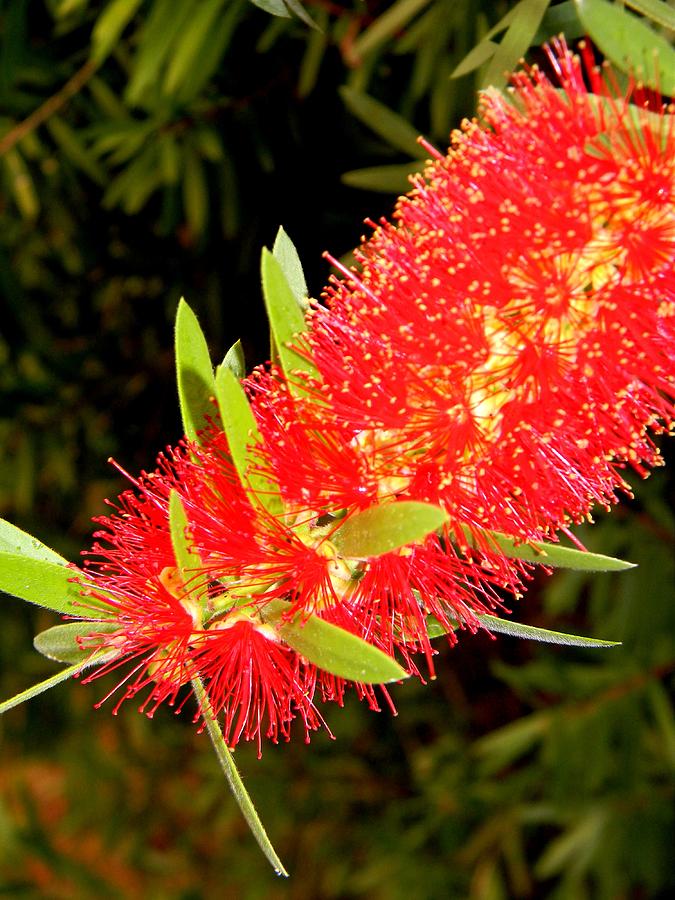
173 626
513 331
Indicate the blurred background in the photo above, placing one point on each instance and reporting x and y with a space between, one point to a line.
148 150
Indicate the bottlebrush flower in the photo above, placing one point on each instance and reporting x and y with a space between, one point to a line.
174 626
512 332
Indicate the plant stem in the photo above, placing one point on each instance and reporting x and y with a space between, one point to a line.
234 779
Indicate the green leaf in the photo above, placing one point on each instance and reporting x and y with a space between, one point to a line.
515 629
233 777
110 25
561 19
43 686
553 555
38 581
393 179
186 53
187 559
385 26
75 151
235 361
286 318
629 43
656 10
387 527
527 18
60 642
242 433
194 373
287 256
14 540
195 191
332 648
475 58
391 127
273 7
298 9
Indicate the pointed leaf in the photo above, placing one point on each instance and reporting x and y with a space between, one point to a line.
393 20
286 318
194 372
273 7
516 41
393 179
549 554
629 43
233 777
242 433
389 125
60 642
110 25
37 581
332 648
14 540
41 687
387 527
656 10
287 256
235 361
515 629
186 558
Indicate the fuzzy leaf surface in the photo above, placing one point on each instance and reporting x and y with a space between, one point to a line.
384 528
38 581
332 648
194 372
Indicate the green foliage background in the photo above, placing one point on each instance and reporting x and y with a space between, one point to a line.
171 138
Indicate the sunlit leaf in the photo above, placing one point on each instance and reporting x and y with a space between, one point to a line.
194 372
38 581
331 648
629 43
387 527
235 361
287 256
14 540
286 318
186 557
242 434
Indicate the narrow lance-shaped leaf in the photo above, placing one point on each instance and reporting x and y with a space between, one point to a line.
242 432
389 125
235 361
42 686
629 43
14 540
38 581
194 372
286 318
515 629
553 555
60 643
234 781
387 527
287 256
186 558
332 648
521 31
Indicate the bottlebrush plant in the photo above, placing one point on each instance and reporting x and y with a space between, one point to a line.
422 437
